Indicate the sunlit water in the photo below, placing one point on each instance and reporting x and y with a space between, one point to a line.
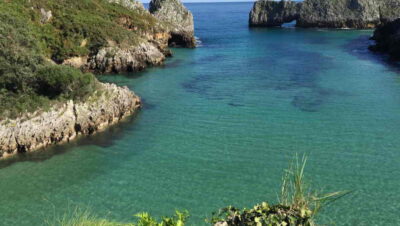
220 124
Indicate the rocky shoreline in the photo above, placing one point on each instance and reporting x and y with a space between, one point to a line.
356 14
175 28
109 105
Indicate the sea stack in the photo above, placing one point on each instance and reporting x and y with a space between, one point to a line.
356 14
177 19
268 13
387 39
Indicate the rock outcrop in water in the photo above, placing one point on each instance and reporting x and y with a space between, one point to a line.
387 39
63 123
357 14
178 20
272 13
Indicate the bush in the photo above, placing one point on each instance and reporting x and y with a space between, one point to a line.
64 82
28 82
297 205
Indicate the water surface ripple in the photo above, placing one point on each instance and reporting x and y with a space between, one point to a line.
219 125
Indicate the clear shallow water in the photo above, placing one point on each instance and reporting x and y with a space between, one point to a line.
220 124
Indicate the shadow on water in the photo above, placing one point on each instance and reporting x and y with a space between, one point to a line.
102 139
294 73
359 47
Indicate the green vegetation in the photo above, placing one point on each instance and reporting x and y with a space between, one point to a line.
298 205
85 218
78 27
29 46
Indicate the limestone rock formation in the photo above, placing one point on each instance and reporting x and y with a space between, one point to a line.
339 14
272 13
63 123
387 39
178 20
114 59
357 14
131 4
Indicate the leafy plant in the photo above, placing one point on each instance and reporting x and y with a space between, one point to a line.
179 219
81 217
298 205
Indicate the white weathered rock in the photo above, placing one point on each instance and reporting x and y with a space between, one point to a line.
115 59
63 123
46 16
178 19
357 14
130 4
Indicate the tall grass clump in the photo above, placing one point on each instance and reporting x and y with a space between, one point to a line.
81 217
298 203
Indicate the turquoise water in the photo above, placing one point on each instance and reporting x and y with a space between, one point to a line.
220 124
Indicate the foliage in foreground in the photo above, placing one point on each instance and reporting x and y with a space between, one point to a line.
85 218
298 204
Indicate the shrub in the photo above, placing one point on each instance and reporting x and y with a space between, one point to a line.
64 82
298 206
28 82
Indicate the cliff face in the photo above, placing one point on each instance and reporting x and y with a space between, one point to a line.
271 13
339 14
357 14
178 20
151 48
61 124
387 39
37 40
114 59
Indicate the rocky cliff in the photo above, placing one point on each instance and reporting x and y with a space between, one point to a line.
178 20
357 14
37 40
387 39
272 13
62 123
151 48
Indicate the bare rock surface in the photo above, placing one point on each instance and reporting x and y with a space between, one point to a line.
63 123
358 14
272 13
178 19
115 59
387 39
130 4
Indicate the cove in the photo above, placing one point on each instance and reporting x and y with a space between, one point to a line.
221 122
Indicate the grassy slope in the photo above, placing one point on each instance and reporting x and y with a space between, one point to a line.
29 80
